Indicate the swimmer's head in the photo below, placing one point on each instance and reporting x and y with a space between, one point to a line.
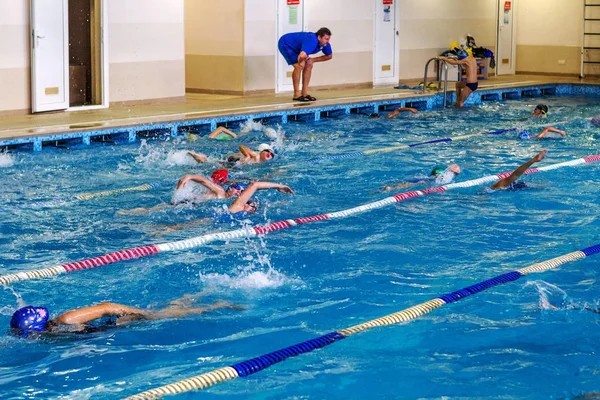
251 206
540 109
596 120
192 138
219 176
524 135
29 319
462 54
266 152
235 189
437 170
374 115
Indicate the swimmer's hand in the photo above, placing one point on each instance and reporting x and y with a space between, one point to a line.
285 189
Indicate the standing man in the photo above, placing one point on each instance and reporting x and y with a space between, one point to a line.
464 89
296 48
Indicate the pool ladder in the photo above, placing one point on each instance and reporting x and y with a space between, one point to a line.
445 76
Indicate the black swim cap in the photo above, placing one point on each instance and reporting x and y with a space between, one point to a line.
542 107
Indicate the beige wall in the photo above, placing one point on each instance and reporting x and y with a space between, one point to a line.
14 55
260 45
548 31
427 27
214 45
146 49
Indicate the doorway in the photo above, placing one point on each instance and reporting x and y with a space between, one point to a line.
386 54
506 49
85 53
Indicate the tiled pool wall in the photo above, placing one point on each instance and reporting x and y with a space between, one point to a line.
129 134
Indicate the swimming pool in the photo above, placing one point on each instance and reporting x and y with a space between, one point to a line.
310 280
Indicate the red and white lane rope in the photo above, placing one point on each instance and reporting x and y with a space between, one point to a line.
139 252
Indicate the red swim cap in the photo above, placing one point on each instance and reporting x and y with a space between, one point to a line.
220 176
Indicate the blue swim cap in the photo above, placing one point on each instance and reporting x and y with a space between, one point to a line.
30 319
524 135
236 186
462 54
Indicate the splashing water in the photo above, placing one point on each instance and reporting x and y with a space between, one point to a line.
251 125
551 296
6 160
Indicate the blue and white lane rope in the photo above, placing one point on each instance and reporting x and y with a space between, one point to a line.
257 364
410 145
253 231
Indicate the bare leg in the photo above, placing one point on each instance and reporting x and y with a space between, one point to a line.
459 87
141 210
178 311
504 183
296 78
464 94
306 74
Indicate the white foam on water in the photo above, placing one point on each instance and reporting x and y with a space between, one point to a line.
6 160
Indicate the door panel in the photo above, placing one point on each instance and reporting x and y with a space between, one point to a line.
49 55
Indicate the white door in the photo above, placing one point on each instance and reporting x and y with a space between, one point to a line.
49 55
386 59
290 18
505 51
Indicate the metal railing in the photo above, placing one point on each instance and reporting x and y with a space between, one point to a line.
445 76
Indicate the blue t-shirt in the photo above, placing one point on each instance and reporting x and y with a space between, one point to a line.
304 41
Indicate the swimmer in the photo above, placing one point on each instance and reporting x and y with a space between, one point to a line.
525 133
510 182
395 112
36 320
240 209
541 110
438 176
244 156
215 191
464 89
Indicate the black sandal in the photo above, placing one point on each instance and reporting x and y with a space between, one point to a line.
308 97
301 98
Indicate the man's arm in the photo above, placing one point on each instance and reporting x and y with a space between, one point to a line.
87 314
207 183
321 58
453 62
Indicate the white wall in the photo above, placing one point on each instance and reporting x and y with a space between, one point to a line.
14 55
146 49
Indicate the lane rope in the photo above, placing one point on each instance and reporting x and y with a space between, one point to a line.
260 363
252 231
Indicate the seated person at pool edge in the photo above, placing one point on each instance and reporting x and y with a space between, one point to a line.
438 176
395 112
96 318
246 155
510 182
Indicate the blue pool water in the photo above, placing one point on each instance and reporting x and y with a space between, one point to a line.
306 281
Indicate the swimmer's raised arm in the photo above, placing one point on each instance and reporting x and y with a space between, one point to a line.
207 183
87 314
550 129
221 129
246 195
401 109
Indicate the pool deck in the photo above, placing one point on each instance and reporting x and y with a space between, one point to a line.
197 106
